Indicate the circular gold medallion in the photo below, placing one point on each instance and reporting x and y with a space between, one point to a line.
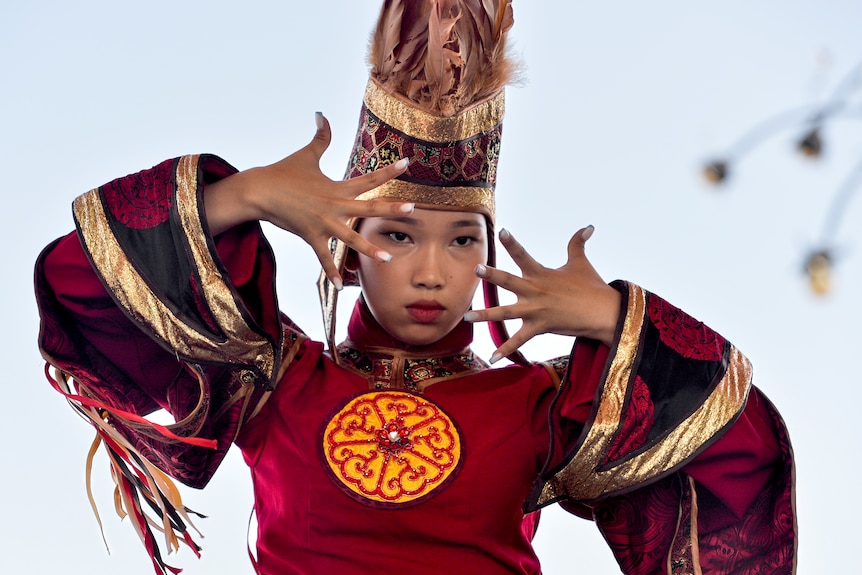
391 448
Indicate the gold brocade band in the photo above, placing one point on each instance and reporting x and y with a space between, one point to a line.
134 294
424 126
461 198
585 479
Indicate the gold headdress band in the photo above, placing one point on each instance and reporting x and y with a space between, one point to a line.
453 161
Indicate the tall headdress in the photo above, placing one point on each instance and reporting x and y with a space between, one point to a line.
435 95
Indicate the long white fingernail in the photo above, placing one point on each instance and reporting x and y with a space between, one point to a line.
406 208
481 270
505 235
337 283
318 120
471 316
402 163
588 232
495 357
384 256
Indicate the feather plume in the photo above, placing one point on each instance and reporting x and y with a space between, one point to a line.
443 56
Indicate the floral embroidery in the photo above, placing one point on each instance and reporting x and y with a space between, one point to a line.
391 448
142 200
636 425
684 334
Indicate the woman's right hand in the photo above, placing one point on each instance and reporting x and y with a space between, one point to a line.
296 196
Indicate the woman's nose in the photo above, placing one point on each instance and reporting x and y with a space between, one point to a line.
429 272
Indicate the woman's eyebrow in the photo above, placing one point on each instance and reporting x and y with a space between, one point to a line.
403 220
410 221
465 224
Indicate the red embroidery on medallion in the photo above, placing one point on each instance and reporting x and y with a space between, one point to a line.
637 423
684 334
394 436
391 447
141 200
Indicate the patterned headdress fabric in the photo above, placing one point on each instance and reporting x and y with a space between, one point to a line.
453 161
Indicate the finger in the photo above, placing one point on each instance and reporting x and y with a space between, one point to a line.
519 255
579 240
371 180
497 313
502 279
328 264
512 345
355 241
376 208
322 136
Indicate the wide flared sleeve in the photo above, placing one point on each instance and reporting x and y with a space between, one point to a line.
142 309
145 310
664 442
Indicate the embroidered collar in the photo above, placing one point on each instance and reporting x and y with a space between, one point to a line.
394 369
388 363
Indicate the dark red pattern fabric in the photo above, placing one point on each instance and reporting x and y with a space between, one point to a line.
636 526
142 200
684 334
764 541
637 422
468 162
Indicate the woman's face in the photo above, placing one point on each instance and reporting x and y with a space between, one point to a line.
422 293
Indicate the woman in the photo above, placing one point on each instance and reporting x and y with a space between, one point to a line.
399 449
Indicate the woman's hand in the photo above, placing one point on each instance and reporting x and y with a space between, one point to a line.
570 300
296 196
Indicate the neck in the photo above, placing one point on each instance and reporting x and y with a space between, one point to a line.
364 332
388 363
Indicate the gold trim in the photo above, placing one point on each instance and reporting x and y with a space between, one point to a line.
134 294
242 341
461 198
694 534
582 480
419 124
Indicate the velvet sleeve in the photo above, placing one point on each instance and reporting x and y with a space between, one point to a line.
145 311
662 440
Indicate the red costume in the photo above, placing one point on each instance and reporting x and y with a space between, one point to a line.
375 457
657 459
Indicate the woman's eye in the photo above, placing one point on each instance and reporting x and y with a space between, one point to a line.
464 241
398 237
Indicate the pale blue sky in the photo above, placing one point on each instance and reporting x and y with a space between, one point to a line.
621 103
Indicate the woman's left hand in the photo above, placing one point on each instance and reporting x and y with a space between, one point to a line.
570 300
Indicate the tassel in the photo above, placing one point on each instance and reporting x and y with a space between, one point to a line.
136 480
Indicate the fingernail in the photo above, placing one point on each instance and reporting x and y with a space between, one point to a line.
406 208
495 357
384 256
481 270
505 235
471 316
318 120
588 232
339 285
402 163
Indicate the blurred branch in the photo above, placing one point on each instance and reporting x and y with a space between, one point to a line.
820 260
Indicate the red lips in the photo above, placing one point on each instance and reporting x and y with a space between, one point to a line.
425 311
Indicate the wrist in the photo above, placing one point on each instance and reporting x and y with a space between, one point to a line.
609 315
230 202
